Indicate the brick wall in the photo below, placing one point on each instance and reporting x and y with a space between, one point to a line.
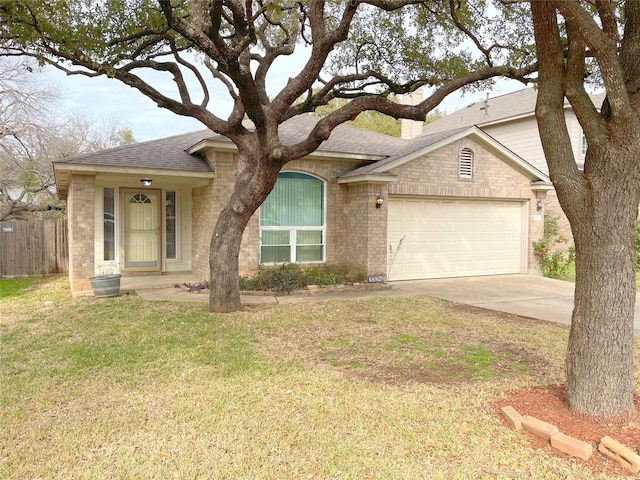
81 222
553 209
356 232
202 221
366 233
436 175
208 202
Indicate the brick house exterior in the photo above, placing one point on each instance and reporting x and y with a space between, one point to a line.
510 119
370 183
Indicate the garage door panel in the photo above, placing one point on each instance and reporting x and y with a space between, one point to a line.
447 238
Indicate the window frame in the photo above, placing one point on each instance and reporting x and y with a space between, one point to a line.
293 231
112 236
176 229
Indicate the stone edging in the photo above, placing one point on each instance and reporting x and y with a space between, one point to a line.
572 446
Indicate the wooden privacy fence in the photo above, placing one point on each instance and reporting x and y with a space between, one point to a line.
33 247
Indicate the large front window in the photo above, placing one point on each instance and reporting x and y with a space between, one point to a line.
292 220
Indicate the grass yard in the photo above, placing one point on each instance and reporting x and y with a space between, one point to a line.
387 388
571 276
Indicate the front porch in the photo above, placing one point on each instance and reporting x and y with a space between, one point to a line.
146 282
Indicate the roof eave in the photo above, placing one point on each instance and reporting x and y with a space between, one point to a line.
541 186
64 171
368 178
205 145
89 169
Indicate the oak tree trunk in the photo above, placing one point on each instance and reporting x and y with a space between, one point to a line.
599 363
601 201
224 293
255 180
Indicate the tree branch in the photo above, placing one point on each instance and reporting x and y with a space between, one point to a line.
550 102
604 49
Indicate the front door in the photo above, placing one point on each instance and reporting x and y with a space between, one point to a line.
142 229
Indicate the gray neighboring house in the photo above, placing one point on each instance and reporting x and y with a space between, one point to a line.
458 202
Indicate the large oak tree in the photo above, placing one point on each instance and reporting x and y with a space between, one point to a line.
575 38
379 47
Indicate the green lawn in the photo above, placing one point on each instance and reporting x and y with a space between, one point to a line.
389 388
571 276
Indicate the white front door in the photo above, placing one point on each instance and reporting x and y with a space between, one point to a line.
142 229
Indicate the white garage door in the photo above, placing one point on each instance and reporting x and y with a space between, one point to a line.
455 238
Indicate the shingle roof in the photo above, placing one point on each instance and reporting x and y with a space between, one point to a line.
170 153
343 139
164 153
501 108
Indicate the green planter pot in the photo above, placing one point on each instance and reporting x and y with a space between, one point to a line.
105 285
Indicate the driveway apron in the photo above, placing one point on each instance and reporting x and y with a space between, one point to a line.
525 295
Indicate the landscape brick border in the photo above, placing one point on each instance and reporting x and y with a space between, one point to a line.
570 445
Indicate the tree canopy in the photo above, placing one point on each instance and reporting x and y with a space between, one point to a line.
234 45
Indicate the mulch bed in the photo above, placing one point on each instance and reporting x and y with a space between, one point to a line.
549 404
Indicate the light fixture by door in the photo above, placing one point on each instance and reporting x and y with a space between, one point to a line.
379 200
145 182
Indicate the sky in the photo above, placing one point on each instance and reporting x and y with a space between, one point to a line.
108 99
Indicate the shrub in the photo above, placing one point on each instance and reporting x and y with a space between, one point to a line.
287 278
555 261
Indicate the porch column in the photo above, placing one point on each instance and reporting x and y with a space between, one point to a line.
367 229
541 204
81 226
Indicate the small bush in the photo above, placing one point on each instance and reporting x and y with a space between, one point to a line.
555 262
287 278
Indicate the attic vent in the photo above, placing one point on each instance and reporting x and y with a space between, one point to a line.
465 164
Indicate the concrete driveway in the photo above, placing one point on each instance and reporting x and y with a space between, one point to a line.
525 295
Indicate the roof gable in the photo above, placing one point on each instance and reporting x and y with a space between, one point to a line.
425 144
